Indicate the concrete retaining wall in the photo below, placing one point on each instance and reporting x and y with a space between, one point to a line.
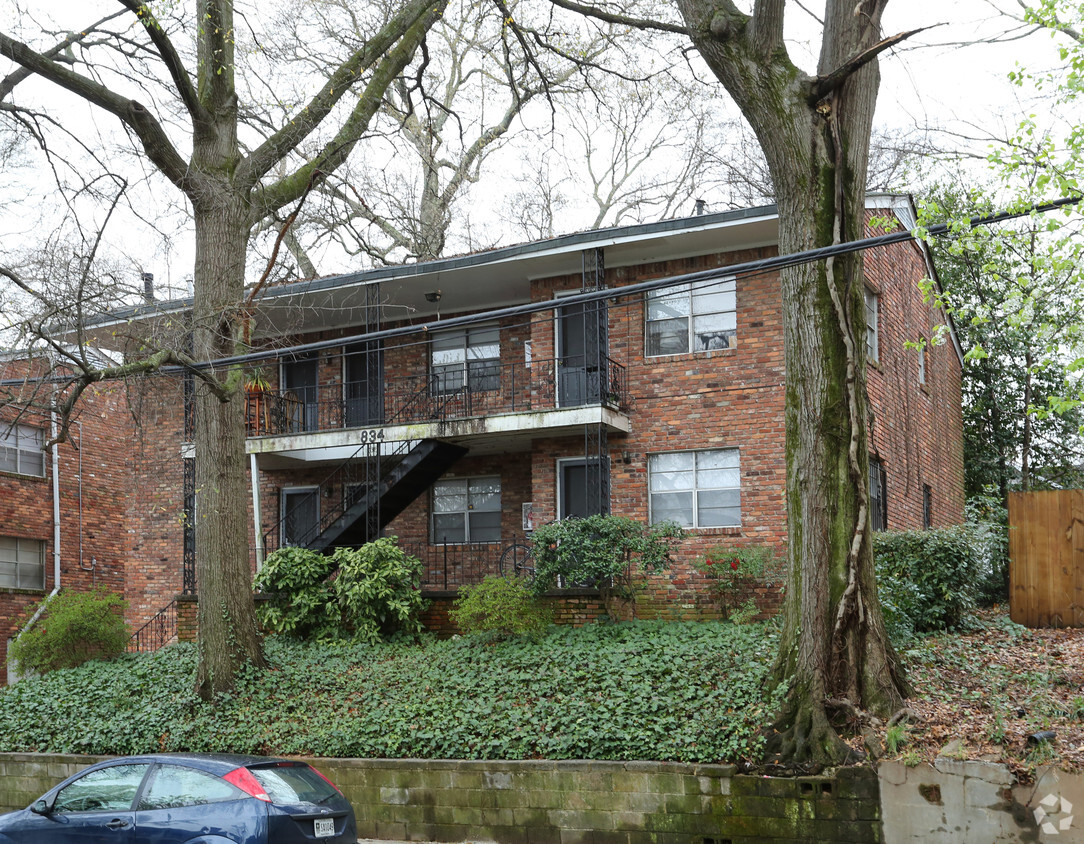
544 802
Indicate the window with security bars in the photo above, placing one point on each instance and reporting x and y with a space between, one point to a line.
22 563
467 510
20 450
466 359
700 317
696 489
878 495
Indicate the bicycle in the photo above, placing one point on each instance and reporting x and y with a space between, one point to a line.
517 559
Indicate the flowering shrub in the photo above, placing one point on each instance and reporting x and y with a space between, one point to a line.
733 574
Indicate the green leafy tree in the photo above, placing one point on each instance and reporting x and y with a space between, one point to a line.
1012 291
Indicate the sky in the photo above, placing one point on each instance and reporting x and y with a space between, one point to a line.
932 80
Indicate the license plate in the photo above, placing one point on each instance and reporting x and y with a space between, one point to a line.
325 827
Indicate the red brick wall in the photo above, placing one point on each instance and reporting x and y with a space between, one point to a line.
92 525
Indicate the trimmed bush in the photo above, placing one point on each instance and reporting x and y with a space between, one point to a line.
504 606
75 628
359 593
928 579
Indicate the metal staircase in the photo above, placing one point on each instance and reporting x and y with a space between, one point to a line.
370 489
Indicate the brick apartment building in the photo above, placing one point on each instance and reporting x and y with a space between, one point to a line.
512 409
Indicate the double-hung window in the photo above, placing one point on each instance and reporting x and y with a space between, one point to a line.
696 489
467 510
20 449
469 358
22 563
700 317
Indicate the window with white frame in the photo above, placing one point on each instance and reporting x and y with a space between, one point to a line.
20 449
22 563
872 310
700 317
696 489
922 360
469 358
467 510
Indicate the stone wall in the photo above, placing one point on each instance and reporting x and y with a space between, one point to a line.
545 802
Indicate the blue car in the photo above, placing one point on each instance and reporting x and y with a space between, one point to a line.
195 798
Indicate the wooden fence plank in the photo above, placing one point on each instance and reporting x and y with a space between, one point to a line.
1046 551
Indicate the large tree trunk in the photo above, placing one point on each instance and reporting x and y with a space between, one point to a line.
834 645
228 634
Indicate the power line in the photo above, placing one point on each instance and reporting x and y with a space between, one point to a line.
743 270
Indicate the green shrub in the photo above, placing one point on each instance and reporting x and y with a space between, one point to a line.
683 691
929 577
504 606
734 574
600 551
75 628
360 593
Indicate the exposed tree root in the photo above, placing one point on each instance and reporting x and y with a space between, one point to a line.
803 739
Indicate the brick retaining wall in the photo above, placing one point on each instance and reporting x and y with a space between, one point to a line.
549 802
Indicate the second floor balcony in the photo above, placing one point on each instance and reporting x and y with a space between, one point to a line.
448 394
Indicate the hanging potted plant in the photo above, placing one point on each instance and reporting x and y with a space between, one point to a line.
257 404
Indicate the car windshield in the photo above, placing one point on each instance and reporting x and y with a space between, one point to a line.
293 784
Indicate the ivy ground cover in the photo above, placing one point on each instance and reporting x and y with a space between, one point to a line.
652 691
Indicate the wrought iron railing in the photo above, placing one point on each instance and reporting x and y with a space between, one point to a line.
479 388
449 565
340 490
161 630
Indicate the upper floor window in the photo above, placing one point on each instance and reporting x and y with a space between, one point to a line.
700 317
20 450
878 495
697 489
22 563
872 311
467 510
469 358
921 360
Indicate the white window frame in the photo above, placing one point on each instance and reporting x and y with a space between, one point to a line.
23 554
684 298
695 490
922 361
465 513
24 443
454 375
873 312
284 494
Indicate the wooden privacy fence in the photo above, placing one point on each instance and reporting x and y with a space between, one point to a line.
1046 550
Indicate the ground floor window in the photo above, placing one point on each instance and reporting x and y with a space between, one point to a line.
22 563
696 489
467 510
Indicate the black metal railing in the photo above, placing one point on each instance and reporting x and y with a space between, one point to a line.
338 492
449 565
476 389
161 630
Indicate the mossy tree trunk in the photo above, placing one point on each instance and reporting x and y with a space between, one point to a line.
814 131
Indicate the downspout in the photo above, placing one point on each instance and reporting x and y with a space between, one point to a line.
256 518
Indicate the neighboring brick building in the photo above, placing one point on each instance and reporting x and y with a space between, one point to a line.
664 404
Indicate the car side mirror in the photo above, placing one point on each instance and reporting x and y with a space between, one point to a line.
42 806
